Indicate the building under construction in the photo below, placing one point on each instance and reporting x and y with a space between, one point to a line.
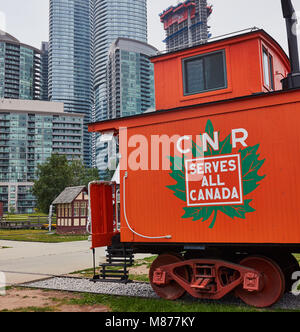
186 24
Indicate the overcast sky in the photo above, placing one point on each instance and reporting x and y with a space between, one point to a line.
27 20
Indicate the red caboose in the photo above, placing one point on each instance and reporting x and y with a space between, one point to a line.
210 181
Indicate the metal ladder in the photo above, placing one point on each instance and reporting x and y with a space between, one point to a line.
118 259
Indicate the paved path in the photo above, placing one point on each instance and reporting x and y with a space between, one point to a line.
29 261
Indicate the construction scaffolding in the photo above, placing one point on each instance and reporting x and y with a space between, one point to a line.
186 24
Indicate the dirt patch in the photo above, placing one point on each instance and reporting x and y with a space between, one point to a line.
139 270
41 300
76 308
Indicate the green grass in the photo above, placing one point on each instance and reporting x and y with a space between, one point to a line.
139 277
38 236
129 304
133 304
142 305
87 273
147 260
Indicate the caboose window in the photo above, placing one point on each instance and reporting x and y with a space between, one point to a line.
204 73
268 70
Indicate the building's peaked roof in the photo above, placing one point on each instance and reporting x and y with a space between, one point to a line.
68 195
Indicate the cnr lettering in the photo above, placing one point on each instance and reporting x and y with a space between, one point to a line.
238 137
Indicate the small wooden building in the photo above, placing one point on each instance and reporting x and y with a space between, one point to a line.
72 210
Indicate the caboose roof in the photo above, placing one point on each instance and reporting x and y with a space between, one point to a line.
188 112
233 37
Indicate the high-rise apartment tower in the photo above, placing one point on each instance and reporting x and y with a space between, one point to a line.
70 59
20 69
30 132
112 19
130 78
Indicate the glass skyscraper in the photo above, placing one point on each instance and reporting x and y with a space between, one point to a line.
70 59
81 33
130 78
112 19
19 69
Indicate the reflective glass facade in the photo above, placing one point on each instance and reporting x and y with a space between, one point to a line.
2 69
19 70
130 88
26 73
112 19
26 140
130 78
44 70
70 60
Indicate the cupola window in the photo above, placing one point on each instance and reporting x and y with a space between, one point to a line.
204 73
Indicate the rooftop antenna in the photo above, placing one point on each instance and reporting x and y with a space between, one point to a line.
292 81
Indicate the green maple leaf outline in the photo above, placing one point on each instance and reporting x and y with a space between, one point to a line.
251 180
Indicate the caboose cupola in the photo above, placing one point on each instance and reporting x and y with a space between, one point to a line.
240 65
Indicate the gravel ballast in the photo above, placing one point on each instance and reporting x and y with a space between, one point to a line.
136 289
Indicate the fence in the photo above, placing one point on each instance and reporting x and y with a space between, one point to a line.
32 222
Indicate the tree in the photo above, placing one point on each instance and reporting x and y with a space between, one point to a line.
55 175
108 175
82 175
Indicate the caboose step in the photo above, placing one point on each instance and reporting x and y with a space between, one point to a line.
119 262
111 265
113 279
115 256
118 249
113 271
119 257
115 276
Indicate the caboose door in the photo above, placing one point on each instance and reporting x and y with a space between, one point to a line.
103 213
